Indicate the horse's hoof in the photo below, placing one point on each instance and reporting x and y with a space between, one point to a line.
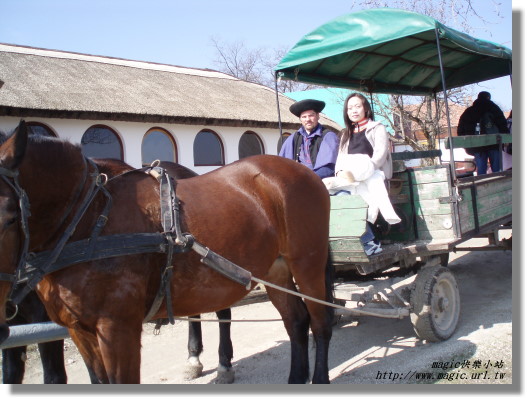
193 369
225 376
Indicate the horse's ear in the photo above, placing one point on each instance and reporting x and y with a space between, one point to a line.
14 148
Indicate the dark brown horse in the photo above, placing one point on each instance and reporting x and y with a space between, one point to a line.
267 214
31 310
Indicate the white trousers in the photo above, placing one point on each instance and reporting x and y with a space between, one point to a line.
373 191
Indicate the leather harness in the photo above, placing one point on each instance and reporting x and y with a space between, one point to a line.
32 267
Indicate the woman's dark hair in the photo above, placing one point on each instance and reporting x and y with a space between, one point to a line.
350 126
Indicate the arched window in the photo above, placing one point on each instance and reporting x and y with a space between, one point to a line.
158 144
208 149
250 144
100 141
281 141
39 129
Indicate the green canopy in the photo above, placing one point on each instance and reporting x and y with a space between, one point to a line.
392 51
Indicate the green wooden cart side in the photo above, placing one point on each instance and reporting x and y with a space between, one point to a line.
478 141
485 202
433 221
347 223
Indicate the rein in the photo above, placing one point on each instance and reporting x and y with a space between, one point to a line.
11 178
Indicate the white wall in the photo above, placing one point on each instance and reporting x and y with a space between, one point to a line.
411 163
131 134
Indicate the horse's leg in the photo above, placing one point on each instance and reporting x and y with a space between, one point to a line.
225 352
52 358
194 368
13 365
120 345
89 349
296 321
321 316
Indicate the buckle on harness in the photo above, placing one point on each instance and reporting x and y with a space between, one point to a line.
183 242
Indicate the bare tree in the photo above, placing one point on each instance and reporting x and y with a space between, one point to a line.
237 60
284 86
454 13
253 65
418 121
425 113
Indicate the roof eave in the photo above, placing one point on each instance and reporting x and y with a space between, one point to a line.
145 118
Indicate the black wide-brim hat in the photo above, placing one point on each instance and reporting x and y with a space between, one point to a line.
306 105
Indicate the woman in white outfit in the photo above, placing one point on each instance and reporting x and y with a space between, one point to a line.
364 159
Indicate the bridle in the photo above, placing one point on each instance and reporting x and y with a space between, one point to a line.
19 291
30 277
11 178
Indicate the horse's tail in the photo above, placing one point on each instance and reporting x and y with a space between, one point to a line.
330 284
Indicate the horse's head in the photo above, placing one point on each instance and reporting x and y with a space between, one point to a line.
12 151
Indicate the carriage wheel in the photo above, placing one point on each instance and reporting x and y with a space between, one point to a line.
435 304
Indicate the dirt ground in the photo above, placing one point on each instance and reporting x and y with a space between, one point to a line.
364 351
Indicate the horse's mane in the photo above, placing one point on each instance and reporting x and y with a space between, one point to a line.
53 148
48 142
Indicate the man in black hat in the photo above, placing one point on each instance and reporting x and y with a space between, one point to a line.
313 145
483 117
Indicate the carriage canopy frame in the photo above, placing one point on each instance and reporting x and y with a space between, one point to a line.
393 51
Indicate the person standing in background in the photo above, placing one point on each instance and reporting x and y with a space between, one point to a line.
483 117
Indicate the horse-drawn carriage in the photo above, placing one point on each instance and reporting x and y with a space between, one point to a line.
399 52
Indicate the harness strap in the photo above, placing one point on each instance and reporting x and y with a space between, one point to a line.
8 172
11 178
101 220
11 278
169 205
105 247
38 274
164 290
170 221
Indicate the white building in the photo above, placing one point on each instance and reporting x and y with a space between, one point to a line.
140 111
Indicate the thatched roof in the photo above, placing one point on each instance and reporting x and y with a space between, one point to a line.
47 83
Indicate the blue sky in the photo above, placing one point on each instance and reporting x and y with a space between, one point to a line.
179 32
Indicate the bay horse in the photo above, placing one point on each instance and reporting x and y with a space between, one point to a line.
194 367
268 214
31 310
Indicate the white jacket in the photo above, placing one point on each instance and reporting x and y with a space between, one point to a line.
368 174
378 137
